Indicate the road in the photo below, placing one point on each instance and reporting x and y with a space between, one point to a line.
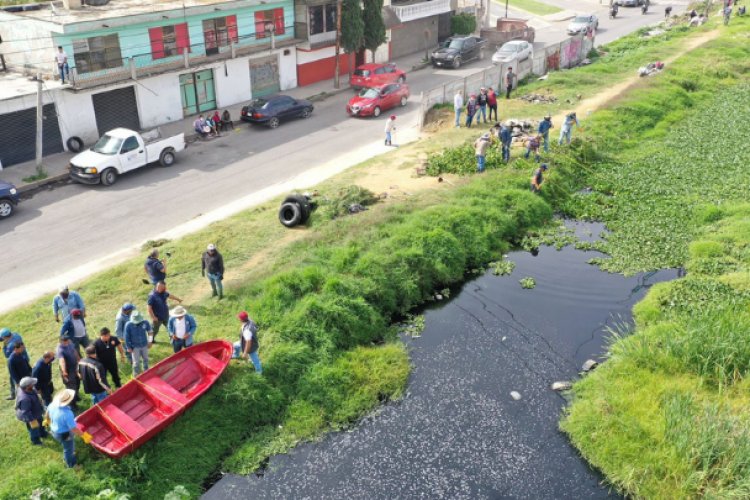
62 235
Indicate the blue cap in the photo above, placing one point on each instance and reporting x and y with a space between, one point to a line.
545 166
127 306
5 332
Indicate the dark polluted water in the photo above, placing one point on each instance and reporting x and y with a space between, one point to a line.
458 433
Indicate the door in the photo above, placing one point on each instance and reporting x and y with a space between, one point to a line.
18 135
389 96
197 91
132 154
286 107
116 108
470 48
264 76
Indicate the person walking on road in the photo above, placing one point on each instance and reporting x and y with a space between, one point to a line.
106 353
538 178
63 425
458 106
155 269
492 102
29 409
506 138
18 363
390 128
181 328
66 301
92 375
567 128
9 344
482 103
247 347
75 328
158 309
122 318
471 109
212 266
480 149
510 80
68 358
544 128
42 372
137 341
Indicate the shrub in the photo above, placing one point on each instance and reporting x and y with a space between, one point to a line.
705 249
463 24
286 363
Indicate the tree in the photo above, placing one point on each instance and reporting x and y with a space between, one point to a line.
374 27
352 28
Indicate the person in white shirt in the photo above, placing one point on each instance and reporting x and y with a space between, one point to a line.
458 106
181 327
390 127
61 58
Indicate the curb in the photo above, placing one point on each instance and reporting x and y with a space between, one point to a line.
36 185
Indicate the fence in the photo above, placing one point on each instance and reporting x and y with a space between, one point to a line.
553 57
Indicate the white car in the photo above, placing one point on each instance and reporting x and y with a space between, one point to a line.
510 51
582 23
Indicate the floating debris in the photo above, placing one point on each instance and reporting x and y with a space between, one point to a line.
527 282
503 267
515 395
561 386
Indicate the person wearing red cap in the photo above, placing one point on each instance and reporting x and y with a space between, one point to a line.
390 127
247 347
75 329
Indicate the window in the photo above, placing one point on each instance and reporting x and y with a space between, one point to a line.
169 41
322 19
263 17
97 53
218 32
130 144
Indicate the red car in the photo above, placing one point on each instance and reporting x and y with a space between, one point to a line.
372 101
370 75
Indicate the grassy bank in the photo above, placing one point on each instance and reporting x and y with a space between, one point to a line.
538 8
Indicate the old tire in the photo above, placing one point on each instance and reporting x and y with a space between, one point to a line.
274 122
109 176
376 111
167 157
457 63
302 202
290 214
6 208
75 144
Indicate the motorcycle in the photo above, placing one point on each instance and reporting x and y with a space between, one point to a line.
613 12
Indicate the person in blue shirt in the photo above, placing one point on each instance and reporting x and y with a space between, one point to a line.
122 318
158 309
505 139
567 129
9 343
137 341
42 372
29 409
75 329
65 301
544 128
155 268
63 424
181 328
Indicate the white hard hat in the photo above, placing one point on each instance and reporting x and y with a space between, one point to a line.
211 246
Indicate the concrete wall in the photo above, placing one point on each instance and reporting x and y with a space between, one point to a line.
231 82
288 69
27 45
409 38
159 100
76 116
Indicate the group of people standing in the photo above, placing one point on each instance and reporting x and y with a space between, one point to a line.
89 364
484 103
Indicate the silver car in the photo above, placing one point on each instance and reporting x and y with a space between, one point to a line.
511 51
582 23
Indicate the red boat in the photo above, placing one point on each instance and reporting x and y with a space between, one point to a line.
140 409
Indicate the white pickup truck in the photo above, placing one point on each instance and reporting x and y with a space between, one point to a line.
121 150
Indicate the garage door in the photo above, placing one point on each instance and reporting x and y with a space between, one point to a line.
264 76
18 135
116 108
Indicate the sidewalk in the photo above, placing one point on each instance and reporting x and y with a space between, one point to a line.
56 166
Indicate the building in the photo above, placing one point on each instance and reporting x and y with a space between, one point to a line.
140 63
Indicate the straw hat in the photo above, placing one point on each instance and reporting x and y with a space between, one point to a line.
179 311
65 397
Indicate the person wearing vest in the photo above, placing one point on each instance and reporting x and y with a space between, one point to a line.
75 328
155 268
29 409
247 347
92 375
181 328
42 372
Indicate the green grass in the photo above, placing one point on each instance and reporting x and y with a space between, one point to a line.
538 8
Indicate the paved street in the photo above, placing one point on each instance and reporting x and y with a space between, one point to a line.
67 233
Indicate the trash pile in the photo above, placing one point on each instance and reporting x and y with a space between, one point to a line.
651 68
538 98
520 128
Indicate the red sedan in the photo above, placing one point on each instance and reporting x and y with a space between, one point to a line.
372 101
370 75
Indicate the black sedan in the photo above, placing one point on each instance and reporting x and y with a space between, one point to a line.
8 199
272 111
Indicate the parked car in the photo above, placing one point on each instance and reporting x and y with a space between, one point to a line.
630 3
371 75
371 101
121 150
519 50
272 111
457 50
8 199
582 23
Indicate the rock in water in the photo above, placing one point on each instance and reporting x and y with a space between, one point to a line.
561 386
515 395
589 365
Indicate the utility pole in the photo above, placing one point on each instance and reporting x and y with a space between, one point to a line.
39 124
506 9
336 79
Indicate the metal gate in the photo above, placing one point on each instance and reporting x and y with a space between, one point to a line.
18 135
197 91
116 108
264 76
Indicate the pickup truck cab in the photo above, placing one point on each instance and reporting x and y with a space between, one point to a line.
121 150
